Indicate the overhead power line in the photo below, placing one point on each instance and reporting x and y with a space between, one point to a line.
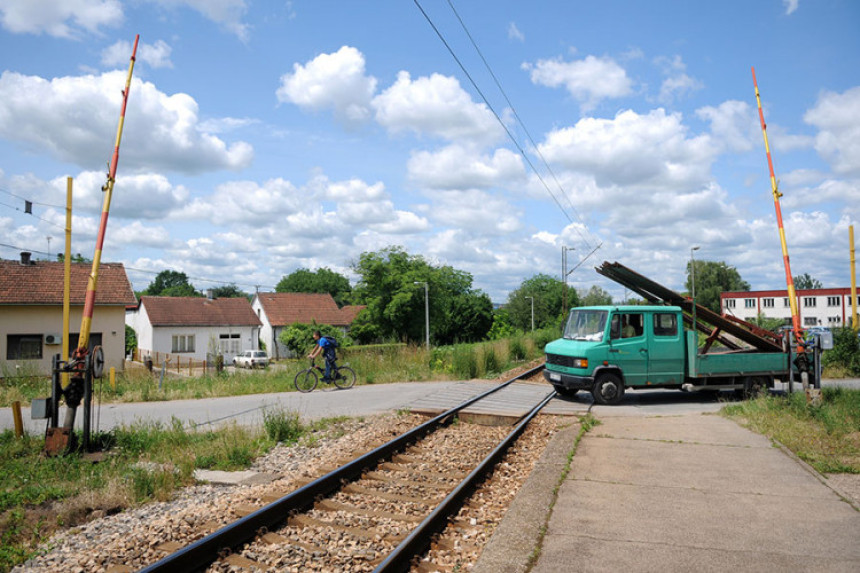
498 119
521 122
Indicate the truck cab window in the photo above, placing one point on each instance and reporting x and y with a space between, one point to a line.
626 326
665 324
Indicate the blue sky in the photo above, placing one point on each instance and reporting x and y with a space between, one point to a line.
263 137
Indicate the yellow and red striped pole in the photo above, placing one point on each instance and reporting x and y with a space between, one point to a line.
89 301
789 280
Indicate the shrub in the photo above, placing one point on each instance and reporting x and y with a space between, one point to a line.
282 426
517 349
491 360
845 352
464 362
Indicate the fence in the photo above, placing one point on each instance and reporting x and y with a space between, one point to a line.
175 362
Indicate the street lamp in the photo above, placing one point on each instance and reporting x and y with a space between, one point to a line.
426 311
533 312
693 290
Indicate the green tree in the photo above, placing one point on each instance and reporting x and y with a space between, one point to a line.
299 337
806 282
502 327
130 340
228 291
595 296
170 283
78 258
766 323
322 280
391 284
845 352
712 279
548 294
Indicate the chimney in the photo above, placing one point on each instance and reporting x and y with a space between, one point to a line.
25 258
210 294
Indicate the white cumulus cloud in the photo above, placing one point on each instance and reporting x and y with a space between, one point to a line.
334 81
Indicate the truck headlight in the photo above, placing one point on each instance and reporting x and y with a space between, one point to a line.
580 362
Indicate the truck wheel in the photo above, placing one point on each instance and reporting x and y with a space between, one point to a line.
608 389
754 386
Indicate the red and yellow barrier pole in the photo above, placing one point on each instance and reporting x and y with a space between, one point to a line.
74 392
789 280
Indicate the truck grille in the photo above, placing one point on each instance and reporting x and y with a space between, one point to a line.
559 360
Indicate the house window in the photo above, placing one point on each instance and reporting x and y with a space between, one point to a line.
767 302
23 347
749 303
809 301
810 321
834 320
834 301
730 303
230 343
182 343
665 324
785 302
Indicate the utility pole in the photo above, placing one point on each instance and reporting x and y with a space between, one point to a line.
533 312
564 273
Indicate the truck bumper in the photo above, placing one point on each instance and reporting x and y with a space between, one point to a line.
568 381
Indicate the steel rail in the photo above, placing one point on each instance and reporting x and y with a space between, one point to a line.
203 552
417 542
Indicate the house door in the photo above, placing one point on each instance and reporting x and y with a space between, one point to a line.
230 345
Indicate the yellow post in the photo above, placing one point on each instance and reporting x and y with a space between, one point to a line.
113 378
854 322
67 278
18 421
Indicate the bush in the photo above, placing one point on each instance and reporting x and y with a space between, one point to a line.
281 426
517 349
491 361
845 353
464 362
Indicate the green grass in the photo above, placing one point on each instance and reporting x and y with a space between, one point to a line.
141 462
826 435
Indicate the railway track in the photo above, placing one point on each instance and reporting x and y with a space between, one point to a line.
376 512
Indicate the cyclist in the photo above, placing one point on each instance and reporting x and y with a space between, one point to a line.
326 345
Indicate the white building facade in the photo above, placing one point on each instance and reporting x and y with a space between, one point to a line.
825 307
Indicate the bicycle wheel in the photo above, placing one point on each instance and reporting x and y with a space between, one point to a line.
306 380
345 377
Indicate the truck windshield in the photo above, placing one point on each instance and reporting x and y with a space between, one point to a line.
585 325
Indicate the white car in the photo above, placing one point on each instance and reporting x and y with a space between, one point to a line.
251 359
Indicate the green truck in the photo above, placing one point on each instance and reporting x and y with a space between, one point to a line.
607 349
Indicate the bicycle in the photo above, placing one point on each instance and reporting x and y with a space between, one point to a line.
307 379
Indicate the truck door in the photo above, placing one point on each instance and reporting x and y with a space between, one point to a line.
629 346
666 350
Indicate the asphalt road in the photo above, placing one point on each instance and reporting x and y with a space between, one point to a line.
366 400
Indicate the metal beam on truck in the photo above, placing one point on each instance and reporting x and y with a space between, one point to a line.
658 294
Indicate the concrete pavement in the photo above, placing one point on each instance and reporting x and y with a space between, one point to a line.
677 493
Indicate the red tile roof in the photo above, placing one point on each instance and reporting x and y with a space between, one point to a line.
41 283
351 311
199 311
286 308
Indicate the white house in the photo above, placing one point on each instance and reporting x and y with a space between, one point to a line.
830 307
31 313
279 310
192 327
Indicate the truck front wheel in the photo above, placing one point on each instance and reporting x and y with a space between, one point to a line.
608 389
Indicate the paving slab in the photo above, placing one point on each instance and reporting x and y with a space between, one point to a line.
694 492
